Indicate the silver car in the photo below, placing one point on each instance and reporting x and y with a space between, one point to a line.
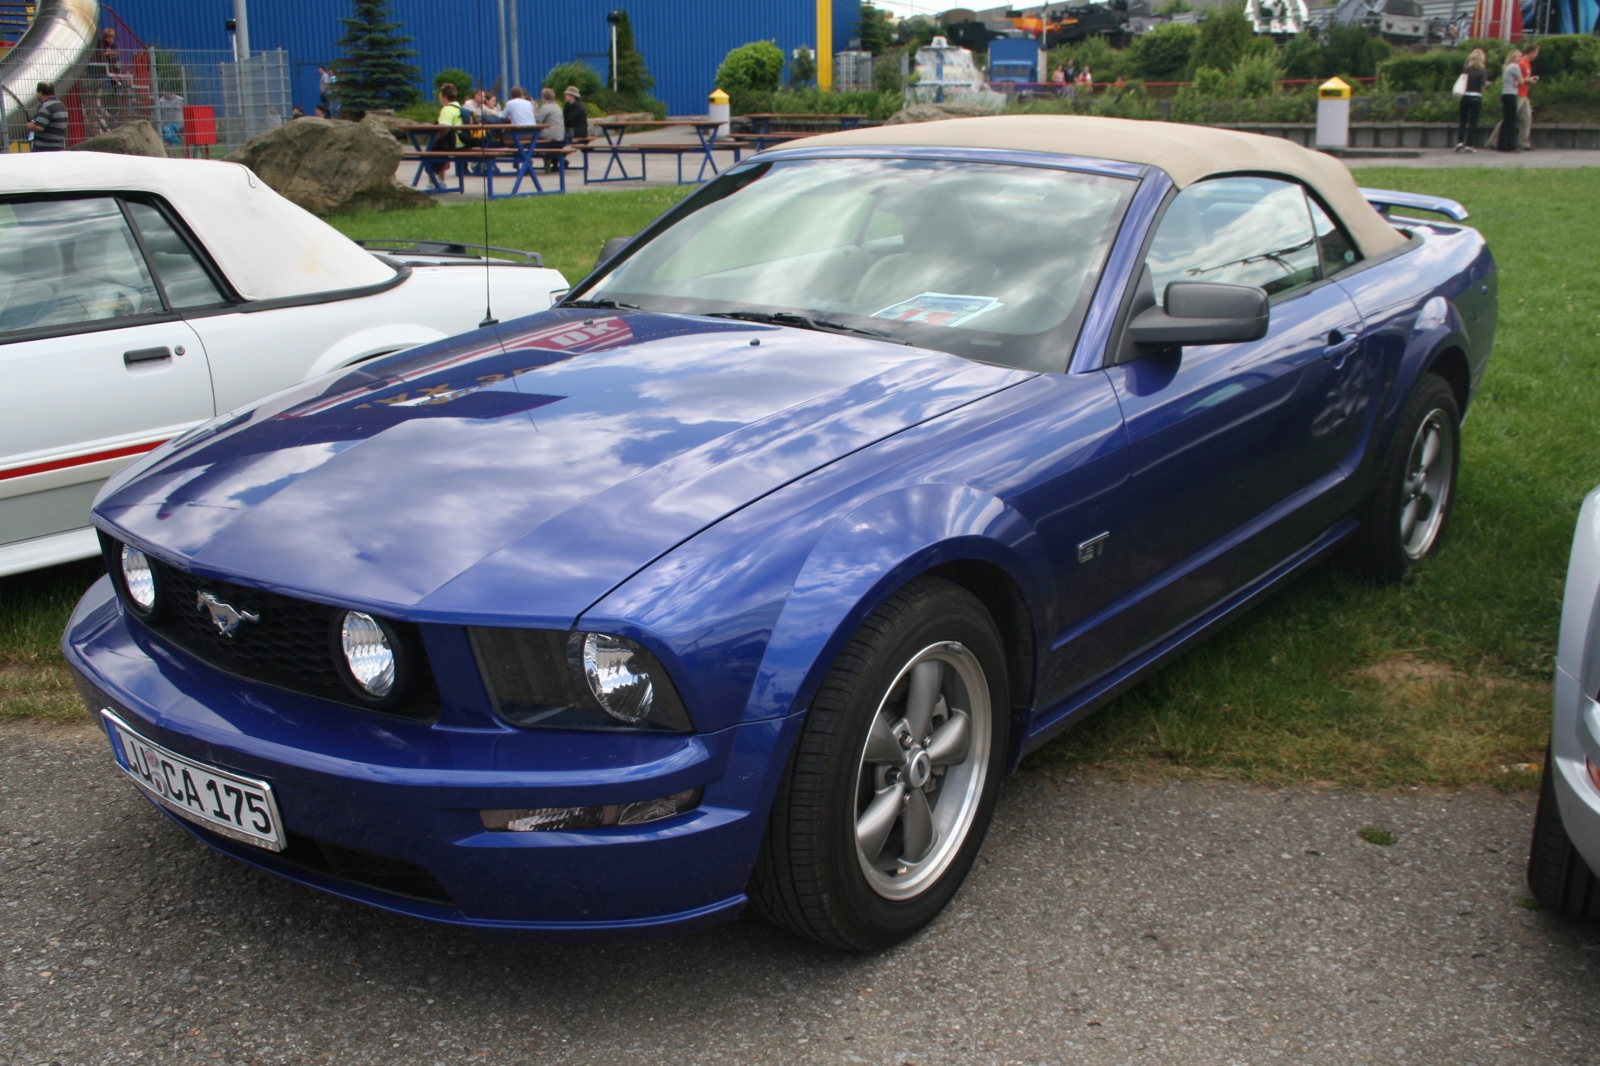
1566 829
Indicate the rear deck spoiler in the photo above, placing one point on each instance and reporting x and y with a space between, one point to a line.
1384 199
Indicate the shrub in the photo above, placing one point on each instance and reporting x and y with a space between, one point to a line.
1165 51
1225 38
459 78
1568 56
585 77
1254 76
754 67
1353 51
1175 7
1211 84
1430 72
1301 57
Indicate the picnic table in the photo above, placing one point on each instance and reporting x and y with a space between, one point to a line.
761 125
522 150
705 130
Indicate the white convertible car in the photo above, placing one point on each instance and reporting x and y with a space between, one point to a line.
139 297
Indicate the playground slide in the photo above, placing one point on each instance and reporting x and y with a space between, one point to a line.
55 49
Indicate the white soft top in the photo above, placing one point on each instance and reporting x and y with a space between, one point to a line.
267 247
1187 153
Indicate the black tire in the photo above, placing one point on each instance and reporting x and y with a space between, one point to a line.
1557 875
1378 550
809 877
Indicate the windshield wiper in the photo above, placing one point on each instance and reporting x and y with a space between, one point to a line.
612 305
789 318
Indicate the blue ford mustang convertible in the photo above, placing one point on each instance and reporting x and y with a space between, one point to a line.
743 576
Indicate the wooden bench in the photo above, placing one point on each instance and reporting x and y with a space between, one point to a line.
614 152
460 156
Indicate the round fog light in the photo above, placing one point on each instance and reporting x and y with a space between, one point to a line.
138 578
367 653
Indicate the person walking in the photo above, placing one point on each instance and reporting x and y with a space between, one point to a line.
555 126
1476 73
1510 79
575 116
324 86
49 123
1524 108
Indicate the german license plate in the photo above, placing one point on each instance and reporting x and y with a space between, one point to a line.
238 807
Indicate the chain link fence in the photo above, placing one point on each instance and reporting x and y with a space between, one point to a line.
202 103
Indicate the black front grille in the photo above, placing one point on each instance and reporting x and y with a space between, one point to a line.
395 876
290 646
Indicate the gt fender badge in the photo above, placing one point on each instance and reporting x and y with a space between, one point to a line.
225 616
1092 547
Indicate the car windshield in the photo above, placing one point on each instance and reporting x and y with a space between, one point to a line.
989 261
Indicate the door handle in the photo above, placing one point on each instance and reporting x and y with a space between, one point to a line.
1340 344
145 355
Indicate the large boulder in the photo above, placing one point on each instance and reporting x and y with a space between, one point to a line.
936 112
136 138
328 166
388 122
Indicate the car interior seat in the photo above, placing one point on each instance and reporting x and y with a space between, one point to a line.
30 271
940 256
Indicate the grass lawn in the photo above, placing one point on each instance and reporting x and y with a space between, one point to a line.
1442 680
567 230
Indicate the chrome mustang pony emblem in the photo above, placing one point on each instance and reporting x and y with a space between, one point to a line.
224 616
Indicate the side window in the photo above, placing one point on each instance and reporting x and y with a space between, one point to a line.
1242 231
67 261
186 282
1334 247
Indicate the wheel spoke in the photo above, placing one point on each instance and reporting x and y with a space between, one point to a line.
949 744
926 678
872 828
918 827
1430 449
1408 520
882 745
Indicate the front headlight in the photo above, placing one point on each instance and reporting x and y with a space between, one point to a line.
138 579
554 680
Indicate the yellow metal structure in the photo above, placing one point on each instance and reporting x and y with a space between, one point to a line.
824 44
1333 89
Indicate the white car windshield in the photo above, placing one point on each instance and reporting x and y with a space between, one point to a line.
989 261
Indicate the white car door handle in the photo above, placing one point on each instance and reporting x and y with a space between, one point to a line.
146 355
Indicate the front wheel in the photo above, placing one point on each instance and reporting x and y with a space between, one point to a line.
887 795
1410 507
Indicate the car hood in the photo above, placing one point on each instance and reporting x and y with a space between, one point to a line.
517 475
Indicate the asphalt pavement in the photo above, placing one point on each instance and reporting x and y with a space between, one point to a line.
1104 923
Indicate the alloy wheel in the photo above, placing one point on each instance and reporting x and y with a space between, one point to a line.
1425 490
922 770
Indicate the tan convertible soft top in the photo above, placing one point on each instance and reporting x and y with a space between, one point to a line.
1187 154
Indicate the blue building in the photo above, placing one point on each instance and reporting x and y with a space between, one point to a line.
682 41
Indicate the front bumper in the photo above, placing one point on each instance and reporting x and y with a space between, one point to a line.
386 790
1575 740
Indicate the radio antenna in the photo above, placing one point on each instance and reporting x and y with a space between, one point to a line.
484 165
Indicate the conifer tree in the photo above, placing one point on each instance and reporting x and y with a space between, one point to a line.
631 77
373 73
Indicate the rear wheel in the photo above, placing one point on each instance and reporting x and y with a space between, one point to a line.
888 792
1406 517
1557 875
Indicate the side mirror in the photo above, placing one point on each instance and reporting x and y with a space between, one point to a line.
1203 312
611 248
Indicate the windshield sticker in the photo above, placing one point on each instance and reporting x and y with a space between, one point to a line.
939 309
